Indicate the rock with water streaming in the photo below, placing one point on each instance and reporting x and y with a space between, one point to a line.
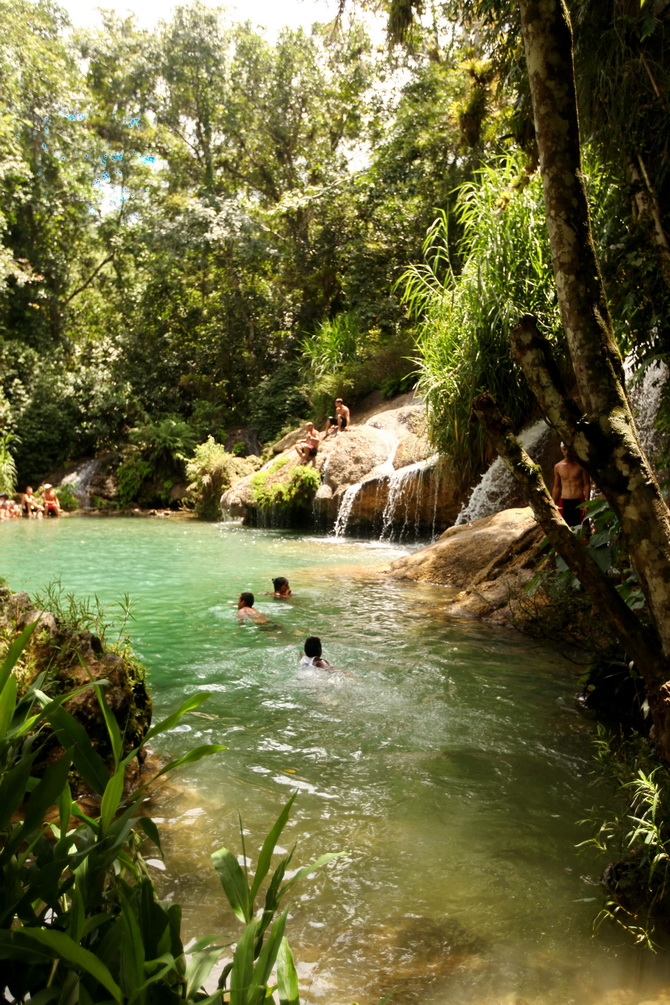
377 478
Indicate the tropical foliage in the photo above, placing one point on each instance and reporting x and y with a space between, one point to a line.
79 915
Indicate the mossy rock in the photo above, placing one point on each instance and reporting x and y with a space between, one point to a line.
69 660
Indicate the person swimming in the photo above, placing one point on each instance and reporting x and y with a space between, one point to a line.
312 657
281 587
246 610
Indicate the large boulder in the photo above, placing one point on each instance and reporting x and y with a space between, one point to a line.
348 457
487 563
379 474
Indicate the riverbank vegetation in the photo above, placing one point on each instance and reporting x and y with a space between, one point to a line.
204 232
79 914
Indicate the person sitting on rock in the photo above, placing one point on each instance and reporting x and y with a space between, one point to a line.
341 420
281 588
50 500
307 448
29 504
246 610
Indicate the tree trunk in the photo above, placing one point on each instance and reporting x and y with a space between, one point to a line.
601 431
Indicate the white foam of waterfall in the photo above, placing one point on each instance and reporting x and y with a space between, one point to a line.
397 483
80 480
347 502
496 489
346 506
645 397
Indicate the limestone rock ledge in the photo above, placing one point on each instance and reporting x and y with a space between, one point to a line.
384 458
489 561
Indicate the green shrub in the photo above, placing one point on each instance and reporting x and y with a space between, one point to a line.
210 472
295 491
67 499
131 476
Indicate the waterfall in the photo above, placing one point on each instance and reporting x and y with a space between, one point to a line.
645 398
80 480
496 490
346 506
397 491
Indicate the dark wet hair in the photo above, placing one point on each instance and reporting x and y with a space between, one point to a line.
248 599
279 582
313 646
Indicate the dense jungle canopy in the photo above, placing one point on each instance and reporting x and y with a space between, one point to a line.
202 229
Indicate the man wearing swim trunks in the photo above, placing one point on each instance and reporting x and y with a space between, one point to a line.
572 488
343 416
307 449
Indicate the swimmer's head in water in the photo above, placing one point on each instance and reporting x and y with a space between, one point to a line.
280 584
312 646
246 600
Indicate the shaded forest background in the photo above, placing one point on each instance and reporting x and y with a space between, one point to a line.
202 230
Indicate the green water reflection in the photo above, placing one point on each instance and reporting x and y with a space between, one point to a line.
452 767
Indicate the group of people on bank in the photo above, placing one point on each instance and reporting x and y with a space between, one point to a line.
340 422
30 505
313 651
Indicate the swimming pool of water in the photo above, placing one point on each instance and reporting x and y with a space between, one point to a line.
451 767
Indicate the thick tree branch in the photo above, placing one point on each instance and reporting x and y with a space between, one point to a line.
640 641
80 289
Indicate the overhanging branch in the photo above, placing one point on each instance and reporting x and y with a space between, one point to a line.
640 641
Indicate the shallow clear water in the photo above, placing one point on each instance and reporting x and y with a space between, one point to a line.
452 767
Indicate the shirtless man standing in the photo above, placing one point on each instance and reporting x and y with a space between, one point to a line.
572 487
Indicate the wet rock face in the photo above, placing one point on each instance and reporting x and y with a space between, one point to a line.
487 564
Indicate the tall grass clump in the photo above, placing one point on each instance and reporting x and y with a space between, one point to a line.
344 360
466 317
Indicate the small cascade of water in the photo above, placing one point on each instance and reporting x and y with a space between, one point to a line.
496 489
645 398
397 491
80 480
346 506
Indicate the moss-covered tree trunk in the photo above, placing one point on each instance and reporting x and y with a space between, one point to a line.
600 427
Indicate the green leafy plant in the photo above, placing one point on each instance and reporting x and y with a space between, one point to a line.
79 916
67 499
210 472
297 490
131 475
637 881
